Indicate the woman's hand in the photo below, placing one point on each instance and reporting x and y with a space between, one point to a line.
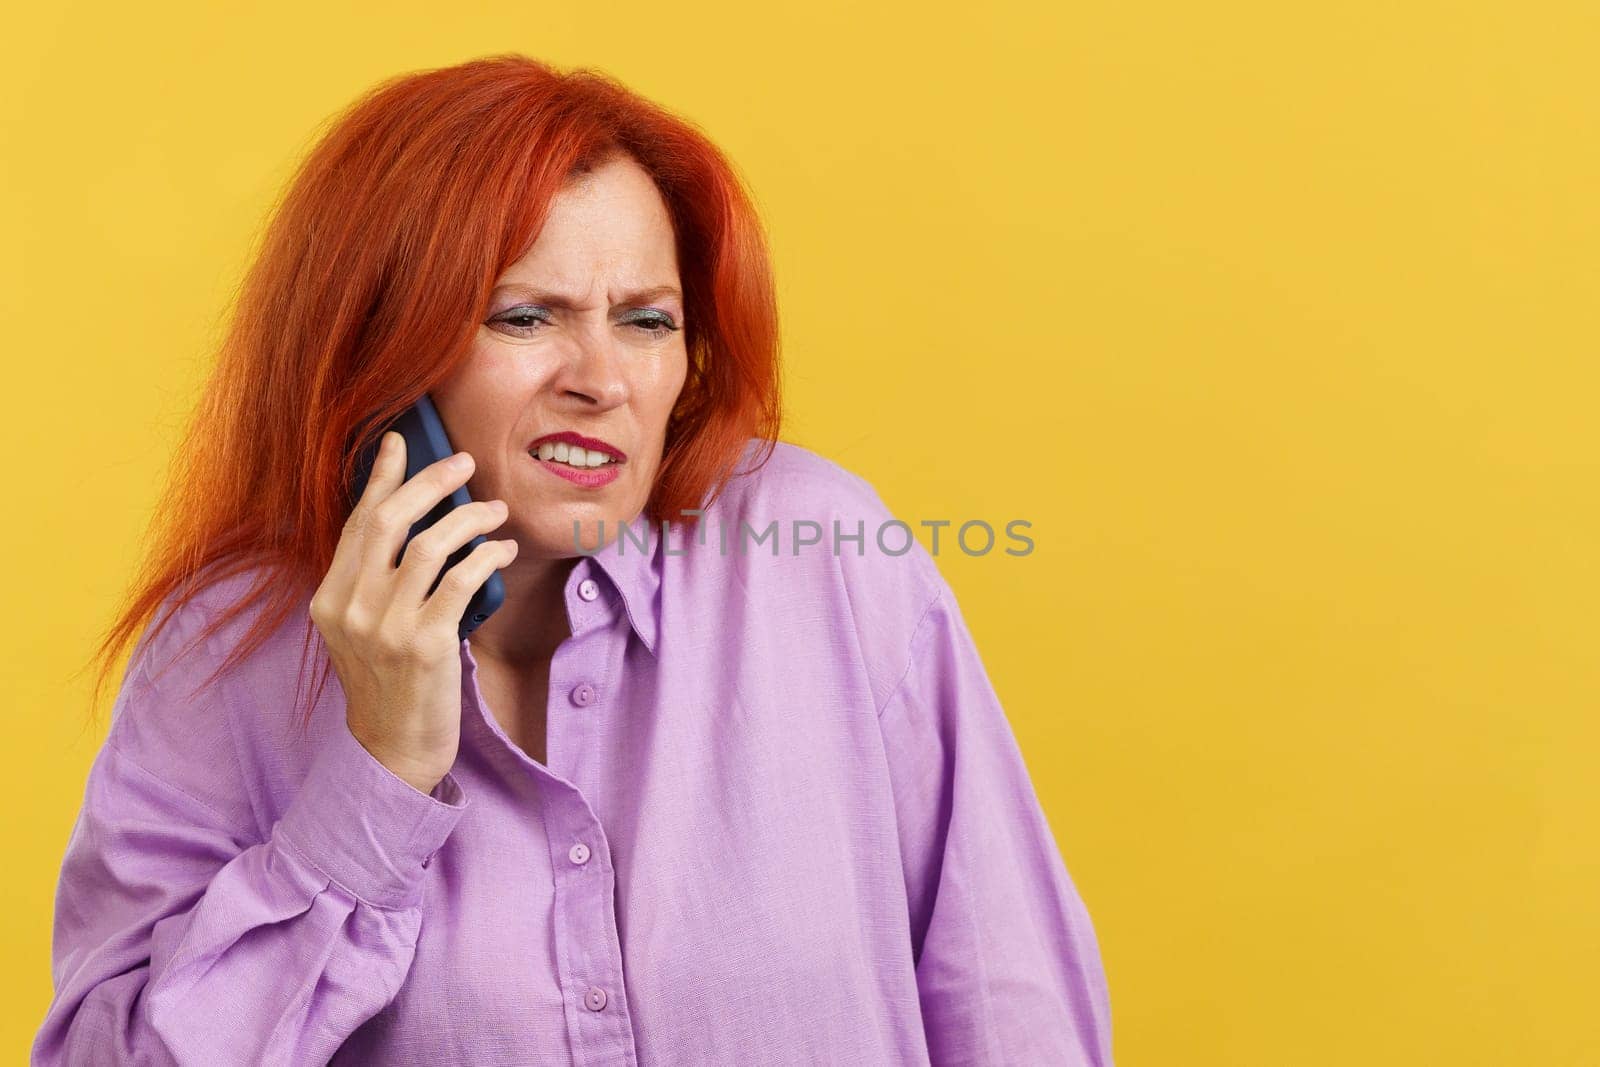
395 648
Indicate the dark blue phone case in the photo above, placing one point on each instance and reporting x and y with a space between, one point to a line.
427 443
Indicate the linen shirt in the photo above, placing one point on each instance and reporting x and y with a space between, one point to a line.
782 820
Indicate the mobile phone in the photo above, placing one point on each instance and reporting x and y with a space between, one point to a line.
427 443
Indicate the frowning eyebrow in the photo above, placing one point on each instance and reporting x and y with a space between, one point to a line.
563 300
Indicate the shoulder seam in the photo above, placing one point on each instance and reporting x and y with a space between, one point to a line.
142 769
205 641
911 651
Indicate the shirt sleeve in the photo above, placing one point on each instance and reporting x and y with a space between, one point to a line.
1008 967
181 938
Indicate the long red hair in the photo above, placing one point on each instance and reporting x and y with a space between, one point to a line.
373 273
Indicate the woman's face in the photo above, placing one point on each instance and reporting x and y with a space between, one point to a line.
584 334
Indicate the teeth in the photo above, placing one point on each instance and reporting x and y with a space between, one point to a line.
572 455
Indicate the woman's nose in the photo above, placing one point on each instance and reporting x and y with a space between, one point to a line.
592 369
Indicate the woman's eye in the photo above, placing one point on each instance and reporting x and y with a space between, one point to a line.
655 322
526 320
523 318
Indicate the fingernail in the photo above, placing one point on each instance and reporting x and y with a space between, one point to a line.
460 459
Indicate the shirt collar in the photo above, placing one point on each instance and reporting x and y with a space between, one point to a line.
636 574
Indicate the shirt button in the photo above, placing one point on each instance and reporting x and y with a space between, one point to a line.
595 999
587 589
579 853
583 694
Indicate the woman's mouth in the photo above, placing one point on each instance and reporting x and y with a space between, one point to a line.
590 475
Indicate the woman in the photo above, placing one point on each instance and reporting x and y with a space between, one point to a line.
691 795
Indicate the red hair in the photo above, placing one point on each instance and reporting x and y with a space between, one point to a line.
371 279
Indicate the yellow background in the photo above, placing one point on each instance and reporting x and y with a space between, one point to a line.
1277 321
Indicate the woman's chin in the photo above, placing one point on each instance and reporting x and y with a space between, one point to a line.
577 532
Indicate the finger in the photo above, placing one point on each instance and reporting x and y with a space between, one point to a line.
449 602
392 518
426 554
347 571
388 469
378 534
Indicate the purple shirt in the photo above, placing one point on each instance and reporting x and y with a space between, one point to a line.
784 820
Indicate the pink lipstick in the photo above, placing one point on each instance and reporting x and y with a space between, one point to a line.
588 477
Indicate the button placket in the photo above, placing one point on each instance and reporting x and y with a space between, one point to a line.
587 938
